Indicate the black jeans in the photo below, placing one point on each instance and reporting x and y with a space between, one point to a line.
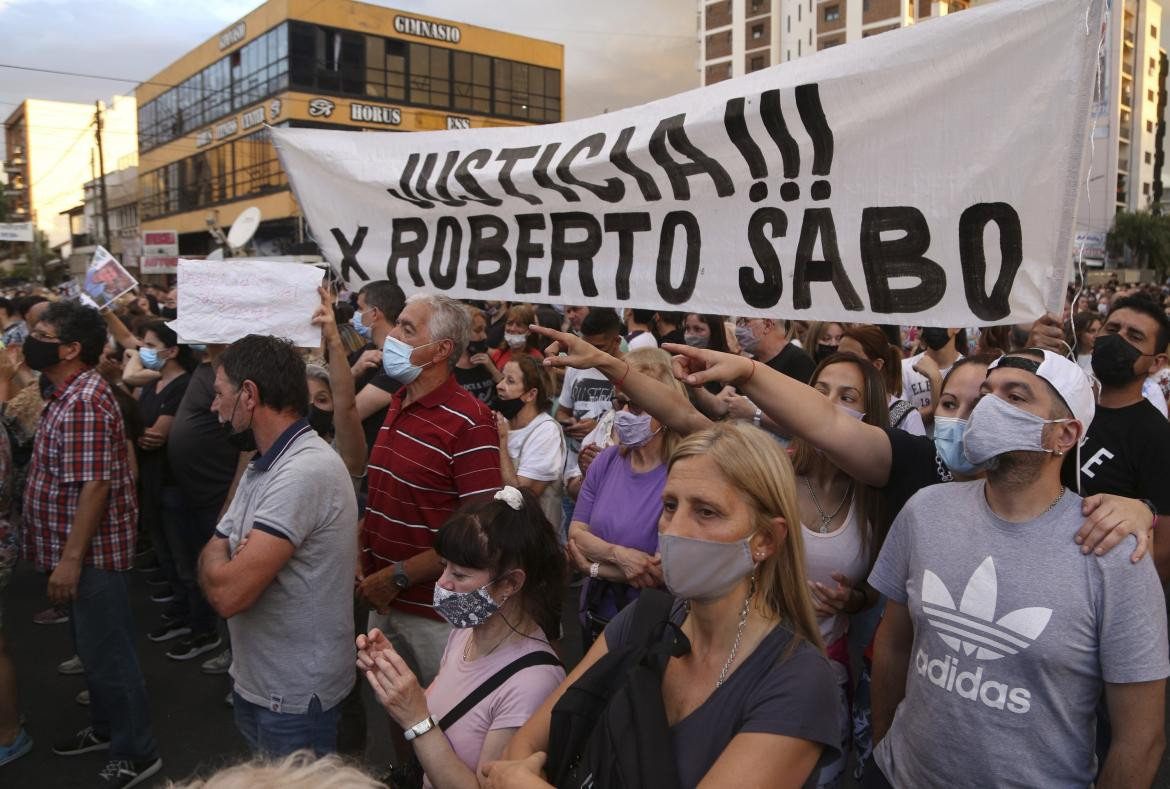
188 530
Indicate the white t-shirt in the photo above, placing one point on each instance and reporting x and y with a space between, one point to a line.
588 394
643 340
537 449
1152 392
838 551
915 385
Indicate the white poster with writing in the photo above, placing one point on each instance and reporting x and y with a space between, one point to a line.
220 301
924 176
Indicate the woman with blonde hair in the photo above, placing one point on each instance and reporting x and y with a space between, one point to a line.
747 695
613 536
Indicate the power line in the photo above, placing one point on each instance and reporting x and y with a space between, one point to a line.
84 76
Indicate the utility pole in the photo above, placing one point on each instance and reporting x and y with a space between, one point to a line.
97 118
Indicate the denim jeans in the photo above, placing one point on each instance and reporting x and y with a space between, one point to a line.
103 631
277 734
187 530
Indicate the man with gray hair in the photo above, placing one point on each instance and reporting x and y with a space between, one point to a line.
437 450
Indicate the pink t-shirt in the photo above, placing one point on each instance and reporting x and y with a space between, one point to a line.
507 707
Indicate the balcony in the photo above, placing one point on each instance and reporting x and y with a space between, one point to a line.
14 165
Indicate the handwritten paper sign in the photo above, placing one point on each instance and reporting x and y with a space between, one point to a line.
222 301
105 279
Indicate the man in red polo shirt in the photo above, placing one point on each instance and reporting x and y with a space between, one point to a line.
437 450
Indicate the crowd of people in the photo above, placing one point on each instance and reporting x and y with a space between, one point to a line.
794 551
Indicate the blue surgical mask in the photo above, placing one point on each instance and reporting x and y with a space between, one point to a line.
362 330
197 347
150 359
858 415
948 442
396 360
746 338
703 570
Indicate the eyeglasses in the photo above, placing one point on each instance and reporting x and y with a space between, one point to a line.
37 334
621 403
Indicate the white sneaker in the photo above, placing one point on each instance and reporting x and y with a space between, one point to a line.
71 666
218 664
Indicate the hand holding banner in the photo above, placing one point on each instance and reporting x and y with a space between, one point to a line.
222 301
925 176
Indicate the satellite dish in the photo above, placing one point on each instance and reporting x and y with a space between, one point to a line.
244 228
215 254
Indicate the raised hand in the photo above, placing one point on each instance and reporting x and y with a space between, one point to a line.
577 352
697 366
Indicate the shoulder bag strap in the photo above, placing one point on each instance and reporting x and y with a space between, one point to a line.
537 658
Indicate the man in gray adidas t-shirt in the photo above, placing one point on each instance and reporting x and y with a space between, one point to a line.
999 635
280 566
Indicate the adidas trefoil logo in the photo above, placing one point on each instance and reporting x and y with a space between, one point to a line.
971 626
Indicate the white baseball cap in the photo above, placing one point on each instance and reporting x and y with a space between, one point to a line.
1067 377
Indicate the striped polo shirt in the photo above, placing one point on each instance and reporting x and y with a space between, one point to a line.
431 457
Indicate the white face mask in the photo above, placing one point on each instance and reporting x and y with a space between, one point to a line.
516 341
703 570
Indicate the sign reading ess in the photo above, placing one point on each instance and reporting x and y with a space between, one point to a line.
791 192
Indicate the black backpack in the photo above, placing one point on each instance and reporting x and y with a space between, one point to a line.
609 729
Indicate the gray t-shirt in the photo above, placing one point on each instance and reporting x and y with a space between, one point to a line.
296 641
1015 634
778 689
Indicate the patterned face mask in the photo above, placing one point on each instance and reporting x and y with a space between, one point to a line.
465 609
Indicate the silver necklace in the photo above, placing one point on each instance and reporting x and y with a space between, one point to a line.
827 519
471 638
1051 506
743 618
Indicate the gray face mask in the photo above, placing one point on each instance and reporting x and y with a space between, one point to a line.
703 570
997 427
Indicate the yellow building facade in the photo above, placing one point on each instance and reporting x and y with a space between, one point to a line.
204 154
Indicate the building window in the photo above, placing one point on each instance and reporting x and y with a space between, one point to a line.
756 5
1153 65
757 63
1153 31
473 82
788 23
798 42
1150 126
1146 188
757 32
810 36
865 5
832 13
528 92
1149 157
798 8
1149 95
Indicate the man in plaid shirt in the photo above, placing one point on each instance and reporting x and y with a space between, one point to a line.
80 518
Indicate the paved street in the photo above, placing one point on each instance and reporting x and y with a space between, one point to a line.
193 726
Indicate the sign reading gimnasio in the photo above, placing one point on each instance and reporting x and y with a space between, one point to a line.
412 26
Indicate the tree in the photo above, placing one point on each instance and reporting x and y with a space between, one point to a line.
1145 235
38 253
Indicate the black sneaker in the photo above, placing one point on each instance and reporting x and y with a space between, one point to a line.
162 596
83 741
167 631
194 646
173 615
158 579
122 773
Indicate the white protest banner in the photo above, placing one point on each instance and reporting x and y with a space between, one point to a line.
222 301
105 279
16 231
926 176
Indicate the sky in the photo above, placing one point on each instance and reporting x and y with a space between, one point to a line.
618 53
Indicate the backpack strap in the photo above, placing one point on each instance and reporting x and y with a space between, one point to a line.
651 611
538 658
899 410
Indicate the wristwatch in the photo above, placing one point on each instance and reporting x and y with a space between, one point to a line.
421 728
400 578
594 569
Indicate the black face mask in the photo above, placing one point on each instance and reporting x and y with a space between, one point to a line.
320 420
243 441
509 408
935 338
824 351
170 313
1113 360
40 354
476 346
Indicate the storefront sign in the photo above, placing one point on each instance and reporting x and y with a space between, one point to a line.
252 118
203 138
321 108
410 26
375 113
233 35
227 128
458 122
16 231
160 243
786 193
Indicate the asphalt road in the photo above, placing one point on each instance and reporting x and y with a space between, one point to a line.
194 728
